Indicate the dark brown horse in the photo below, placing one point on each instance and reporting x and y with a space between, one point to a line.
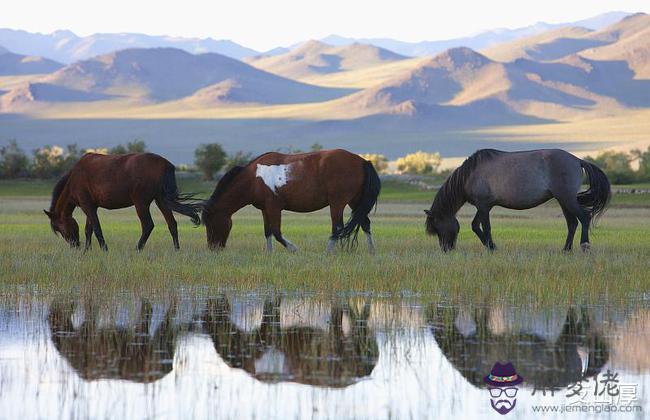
311 355
139 354
303 183
115 182
518 180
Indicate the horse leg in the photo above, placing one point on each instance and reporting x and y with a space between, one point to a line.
476 228
91 214
572 225
365 226
336 214
171 222
89 234
275 220
268 234
145 221
574 208
484 215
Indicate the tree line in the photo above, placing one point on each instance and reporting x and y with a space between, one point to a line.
211 159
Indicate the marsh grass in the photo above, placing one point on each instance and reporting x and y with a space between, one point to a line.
527 267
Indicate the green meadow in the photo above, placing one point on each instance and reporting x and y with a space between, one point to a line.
528 265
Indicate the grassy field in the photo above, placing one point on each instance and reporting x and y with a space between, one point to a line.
528 266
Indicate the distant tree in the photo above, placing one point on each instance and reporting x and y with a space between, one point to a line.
135 146
13 161
378 161
53 161
316 147
617 166
209 158
643 173
420 163
238 159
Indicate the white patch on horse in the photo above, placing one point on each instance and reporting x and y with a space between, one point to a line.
274 176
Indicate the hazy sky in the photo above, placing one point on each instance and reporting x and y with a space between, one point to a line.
269 23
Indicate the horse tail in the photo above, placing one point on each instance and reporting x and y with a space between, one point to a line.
596 199
369 195
185 204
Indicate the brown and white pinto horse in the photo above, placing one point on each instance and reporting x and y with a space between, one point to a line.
115 182
302 183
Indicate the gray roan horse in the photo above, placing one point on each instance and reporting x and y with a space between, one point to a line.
518 180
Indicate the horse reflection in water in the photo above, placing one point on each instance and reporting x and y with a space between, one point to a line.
134 354
301 354
577 353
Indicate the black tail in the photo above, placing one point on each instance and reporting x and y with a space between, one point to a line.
184 204
369 195
596 199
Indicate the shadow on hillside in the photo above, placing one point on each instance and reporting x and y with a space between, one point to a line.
608 78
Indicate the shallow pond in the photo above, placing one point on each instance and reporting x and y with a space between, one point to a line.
233 355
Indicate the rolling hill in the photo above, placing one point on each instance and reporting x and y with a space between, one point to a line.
461 78
15 64
316 58
164 74
627 40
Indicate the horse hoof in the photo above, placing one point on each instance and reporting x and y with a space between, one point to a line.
586 246
292 248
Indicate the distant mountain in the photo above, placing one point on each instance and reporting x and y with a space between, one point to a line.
15 64
627 40
315 57
477 42
467 87
632 44
166 74
67 47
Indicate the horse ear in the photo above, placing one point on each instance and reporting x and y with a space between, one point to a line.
427 212
47 213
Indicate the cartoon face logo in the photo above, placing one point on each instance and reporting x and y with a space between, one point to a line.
502 382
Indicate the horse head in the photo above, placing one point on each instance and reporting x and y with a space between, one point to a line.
445 227
65 225
217 226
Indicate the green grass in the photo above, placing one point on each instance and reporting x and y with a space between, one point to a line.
528 266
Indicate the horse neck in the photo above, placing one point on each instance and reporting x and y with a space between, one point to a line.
234 198
448 201
64 206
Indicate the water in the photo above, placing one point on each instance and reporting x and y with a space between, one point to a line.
197 355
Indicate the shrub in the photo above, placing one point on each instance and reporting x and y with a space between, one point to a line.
420 163
616 165
209 158
378 161
53 161
13 161
135 146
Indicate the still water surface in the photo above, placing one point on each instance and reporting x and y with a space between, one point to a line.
197 355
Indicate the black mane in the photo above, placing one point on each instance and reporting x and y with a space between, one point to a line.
451 195
58 189
221 187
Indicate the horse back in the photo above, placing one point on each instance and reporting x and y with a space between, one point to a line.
521 180
115 181
308 181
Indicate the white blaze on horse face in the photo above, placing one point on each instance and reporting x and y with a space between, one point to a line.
274 176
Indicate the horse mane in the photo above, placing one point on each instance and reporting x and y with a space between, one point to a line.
223 183
58 190
451 195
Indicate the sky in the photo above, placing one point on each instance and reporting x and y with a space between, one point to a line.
265 24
